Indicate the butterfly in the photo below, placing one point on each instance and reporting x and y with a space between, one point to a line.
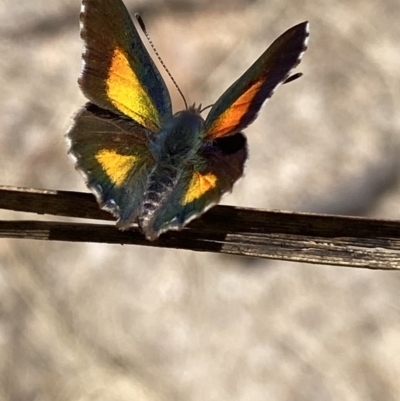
148 166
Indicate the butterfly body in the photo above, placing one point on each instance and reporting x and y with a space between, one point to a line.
145 164
179 138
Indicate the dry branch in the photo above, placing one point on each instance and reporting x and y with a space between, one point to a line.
312 238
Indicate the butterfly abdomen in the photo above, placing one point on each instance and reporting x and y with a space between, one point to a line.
160 186
174 148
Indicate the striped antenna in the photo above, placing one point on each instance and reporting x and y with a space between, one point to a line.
143 28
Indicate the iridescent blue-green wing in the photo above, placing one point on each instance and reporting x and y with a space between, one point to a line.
113 155
240 103
178 197
118 73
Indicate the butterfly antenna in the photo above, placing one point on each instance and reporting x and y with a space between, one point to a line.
207 107
292 78
143 28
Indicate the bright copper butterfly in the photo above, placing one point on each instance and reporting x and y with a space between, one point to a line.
146 165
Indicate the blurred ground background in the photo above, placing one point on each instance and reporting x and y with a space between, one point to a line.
103 322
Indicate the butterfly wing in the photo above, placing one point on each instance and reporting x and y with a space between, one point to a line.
218 165
118 73
240 103
113 155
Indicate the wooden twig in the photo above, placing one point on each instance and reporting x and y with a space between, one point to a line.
312 238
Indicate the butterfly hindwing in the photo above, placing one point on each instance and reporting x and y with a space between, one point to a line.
113 154
240 103
217 166
118 73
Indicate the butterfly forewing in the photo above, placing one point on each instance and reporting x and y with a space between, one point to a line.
118 73
240 103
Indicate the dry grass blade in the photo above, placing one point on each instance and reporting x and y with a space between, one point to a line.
324 239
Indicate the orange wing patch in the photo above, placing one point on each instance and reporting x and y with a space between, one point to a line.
116 166
198 186
230 118
128 95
